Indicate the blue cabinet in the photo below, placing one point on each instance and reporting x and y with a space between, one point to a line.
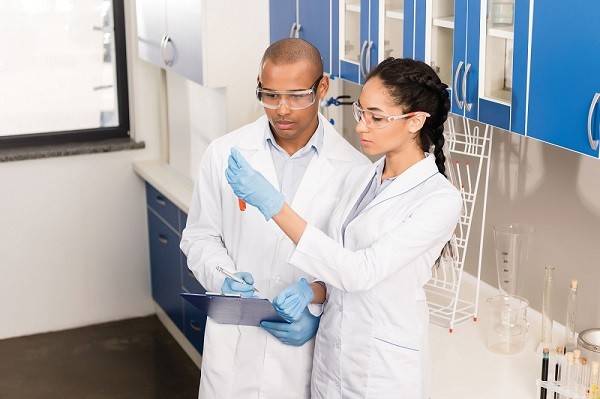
370 31
565 75
479 49
282 19
165 267
306 19
168 266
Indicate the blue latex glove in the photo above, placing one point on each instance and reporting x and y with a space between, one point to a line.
292 301
251 186
232 287
296 333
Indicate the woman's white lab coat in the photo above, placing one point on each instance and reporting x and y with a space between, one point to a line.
372 336
247 362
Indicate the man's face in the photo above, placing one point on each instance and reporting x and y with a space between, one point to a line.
287 123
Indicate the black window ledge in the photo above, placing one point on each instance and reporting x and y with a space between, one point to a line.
23 153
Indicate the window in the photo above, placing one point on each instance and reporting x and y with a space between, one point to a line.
63 74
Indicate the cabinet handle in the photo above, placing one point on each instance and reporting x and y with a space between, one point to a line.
593 143
368 58
163 240
195 325
298 29
161 200
293 30
468 105
455 85
361 57
166 41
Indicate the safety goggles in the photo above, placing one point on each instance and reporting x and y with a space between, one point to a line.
294 99
378 120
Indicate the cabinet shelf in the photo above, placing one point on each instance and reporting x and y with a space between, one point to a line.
353 7
395 14
444 22
502 32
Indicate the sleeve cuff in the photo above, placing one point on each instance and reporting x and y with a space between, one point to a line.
315 309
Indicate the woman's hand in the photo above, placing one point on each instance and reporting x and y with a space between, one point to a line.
251 186
292 301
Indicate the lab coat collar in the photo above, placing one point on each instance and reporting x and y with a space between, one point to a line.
331 147
409 179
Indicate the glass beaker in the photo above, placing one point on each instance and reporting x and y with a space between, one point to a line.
511 243
507 325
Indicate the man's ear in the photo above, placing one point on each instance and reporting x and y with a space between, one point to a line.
323 87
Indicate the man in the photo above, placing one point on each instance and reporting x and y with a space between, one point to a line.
297 150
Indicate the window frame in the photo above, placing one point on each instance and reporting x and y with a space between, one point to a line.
93 134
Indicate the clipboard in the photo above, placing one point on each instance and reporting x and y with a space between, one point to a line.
228 309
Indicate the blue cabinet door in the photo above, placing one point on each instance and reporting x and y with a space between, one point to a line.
459 56
165 268
315 27
565 73
471 75
282 16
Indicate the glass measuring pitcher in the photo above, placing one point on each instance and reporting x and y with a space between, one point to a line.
507 325
511 243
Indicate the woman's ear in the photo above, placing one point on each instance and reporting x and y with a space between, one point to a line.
416 123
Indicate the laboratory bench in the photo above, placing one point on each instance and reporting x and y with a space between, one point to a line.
462 366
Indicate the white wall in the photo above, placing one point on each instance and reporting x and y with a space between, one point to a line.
73 243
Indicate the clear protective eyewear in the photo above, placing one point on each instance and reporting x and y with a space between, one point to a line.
294 99
378 120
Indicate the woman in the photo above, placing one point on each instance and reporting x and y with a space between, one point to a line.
384 238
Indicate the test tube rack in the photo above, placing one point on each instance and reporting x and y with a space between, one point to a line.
564 392
447 307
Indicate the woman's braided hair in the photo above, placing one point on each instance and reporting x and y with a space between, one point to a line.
415 86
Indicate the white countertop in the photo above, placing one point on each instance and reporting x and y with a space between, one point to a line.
462 366
172 184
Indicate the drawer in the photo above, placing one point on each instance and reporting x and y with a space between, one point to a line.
195 324
165 268
165 208
188 280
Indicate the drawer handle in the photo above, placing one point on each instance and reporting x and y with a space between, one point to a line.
163 240
195 325
160 200
593 143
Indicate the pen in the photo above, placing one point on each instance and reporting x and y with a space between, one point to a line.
234 277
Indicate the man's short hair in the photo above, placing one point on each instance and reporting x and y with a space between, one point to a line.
292 50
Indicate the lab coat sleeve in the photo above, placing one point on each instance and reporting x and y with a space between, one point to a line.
202 239
429 227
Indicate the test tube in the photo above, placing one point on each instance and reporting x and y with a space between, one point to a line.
568 372
594 393
570 334
576 369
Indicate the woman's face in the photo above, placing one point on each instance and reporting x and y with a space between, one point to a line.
396 134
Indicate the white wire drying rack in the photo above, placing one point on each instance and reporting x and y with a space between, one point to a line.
447 307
